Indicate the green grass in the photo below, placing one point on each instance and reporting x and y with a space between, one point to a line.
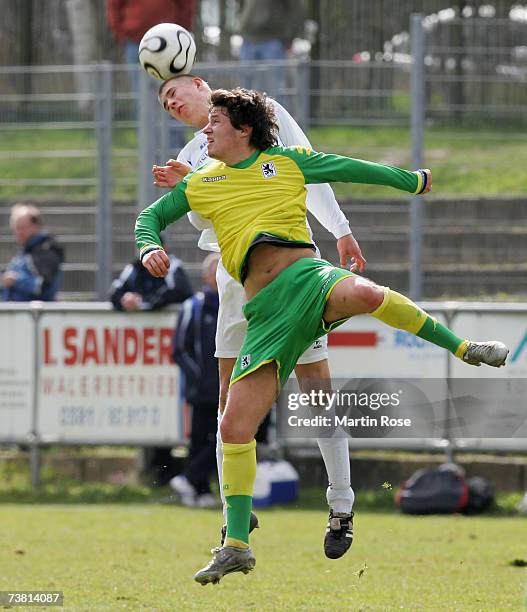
118 547
133 557
124 163
465 162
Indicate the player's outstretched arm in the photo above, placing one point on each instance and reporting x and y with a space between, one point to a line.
328 167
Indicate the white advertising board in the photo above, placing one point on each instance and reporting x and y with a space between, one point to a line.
366 348
510 328
16 375
108 377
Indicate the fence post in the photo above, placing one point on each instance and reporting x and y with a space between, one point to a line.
103 120
303 93
450 409
147 138
34 440
417 131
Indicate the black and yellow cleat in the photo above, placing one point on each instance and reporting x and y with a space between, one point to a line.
339 534
226 560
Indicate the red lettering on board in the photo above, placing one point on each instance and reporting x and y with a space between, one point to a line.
90 351
46 343
70 335
148 346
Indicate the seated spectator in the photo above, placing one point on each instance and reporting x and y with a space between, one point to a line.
194 345
136 289
35 272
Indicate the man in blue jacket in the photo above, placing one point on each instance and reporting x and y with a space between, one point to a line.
35 272
193 350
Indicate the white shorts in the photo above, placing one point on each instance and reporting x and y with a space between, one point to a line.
232 324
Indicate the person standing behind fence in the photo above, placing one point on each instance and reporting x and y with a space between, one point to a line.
268 29
35 272
194 346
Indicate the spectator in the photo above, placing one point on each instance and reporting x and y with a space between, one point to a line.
130 19
193 350
136 289
268 29
35 272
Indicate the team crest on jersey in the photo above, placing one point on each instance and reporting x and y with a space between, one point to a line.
269 169
245 361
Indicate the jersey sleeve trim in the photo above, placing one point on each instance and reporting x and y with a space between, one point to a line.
149 248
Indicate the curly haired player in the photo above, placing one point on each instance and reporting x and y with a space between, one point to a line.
254 195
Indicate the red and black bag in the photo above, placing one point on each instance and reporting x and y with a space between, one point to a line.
441 490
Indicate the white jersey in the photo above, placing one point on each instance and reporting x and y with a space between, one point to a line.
320 200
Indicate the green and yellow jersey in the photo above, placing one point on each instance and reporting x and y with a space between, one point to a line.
262 196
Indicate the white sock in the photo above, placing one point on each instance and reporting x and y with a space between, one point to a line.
335 453
219 465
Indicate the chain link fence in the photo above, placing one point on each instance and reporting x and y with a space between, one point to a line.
71 137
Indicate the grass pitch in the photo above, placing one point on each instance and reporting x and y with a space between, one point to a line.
143 556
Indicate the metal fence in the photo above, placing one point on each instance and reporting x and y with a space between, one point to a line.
108 131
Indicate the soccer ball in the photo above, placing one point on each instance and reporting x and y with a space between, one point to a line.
167 50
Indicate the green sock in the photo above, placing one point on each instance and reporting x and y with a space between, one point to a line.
239 473
400 312
436 333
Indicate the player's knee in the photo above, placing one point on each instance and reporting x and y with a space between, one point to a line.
368 294
235 430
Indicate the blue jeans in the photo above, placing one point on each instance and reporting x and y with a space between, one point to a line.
130 52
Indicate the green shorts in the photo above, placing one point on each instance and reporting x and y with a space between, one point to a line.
285 317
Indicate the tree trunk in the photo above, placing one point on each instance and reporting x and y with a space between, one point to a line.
81 17
225 35
25 29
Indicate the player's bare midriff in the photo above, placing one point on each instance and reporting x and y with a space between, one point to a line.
267 261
